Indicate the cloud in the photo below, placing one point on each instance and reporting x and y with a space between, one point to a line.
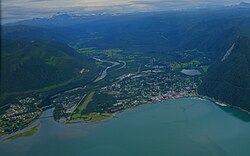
14 10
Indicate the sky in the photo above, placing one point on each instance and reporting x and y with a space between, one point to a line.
16 10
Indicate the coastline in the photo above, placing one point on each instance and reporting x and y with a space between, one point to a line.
223 104
8 137
114 115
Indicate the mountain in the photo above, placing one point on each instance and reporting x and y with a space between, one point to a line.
25 32
208 30
229 80
65 19
30 65
214 36
211 31
60 20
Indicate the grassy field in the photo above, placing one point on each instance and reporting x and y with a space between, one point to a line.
96 117
30 132
192 64
83 106
88 50
86 102
205 68
91 117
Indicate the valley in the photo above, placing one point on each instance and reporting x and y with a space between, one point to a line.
94 67
125 81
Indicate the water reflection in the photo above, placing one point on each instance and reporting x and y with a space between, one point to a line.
243 116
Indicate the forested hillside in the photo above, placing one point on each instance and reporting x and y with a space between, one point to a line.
29 65
229 80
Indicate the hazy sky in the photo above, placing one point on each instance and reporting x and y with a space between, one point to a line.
14 10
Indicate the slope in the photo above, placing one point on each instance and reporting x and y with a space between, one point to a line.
29 65
229 80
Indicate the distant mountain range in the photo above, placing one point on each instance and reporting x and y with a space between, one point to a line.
64 19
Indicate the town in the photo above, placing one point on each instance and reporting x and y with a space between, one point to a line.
125 81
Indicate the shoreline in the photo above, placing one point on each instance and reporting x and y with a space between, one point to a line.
6 138
114 115
222 104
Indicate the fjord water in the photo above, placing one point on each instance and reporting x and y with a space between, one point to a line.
185 126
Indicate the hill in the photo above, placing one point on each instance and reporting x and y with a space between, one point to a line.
229 80
29 65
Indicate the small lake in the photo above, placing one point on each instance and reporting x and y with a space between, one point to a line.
179 127
191 72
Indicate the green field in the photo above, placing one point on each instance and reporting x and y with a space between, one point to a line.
86 102
191 64
87 50
205 68
91 117
96 117
83 106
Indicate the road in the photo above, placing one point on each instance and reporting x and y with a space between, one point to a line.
75 107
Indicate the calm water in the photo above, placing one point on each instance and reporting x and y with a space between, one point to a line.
186 126
191 72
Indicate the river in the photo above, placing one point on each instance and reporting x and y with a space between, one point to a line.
104 73
184 126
